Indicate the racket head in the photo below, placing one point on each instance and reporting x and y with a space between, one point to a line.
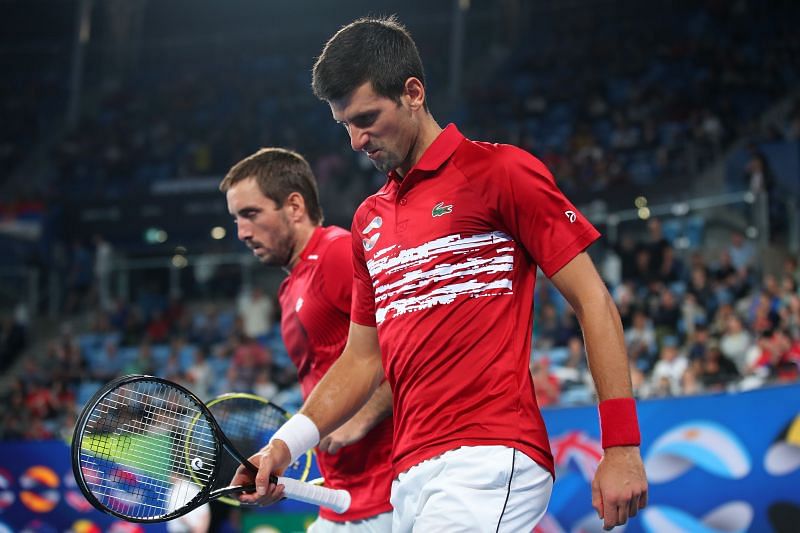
129 450
248 422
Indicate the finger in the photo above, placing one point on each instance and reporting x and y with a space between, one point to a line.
242 476
609 516
597 502
262 478
622 514
643 499
334 447
324 444
633 506
273 495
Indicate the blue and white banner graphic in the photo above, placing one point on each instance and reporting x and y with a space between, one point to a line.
724 463
38 494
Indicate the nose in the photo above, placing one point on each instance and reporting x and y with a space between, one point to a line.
358 138
243 231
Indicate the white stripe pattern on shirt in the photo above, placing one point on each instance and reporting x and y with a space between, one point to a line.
403 272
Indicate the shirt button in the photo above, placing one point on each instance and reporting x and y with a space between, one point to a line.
403 201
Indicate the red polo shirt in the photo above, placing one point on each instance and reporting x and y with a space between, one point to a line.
315 319
445 263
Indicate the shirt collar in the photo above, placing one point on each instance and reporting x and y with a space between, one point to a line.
310 248
437 153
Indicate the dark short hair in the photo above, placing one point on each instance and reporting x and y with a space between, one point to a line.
279 172
376 50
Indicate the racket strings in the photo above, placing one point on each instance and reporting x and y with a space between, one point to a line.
249 423
134 449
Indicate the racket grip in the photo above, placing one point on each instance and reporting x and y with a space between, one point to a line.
336 499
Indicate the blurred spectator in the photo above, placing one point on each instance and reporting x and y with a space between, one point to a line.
249 359
742 252
667 376
656 245
573 376
790 316
667 315
699 343
550 330
546 385
779 357
639 382
248 354
736 342
133 328
626 250
199 374
108 365
143 363
716 370
671 268
691 382
640 340
701 290
263 385
761 182
158 329
256 310
103 264
206 330
693 315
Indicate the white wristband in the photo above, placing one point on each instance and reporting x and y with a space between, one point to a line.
299 433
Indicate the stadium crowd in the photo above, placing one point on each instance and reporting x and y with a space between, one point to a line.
693 324
603 110
600 110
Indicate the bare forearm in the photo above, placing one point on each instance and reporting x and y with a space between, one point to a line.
343 391
581 285
605 346
377 408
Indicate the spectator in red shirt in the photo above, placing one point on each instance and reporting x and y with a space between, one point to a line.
547 386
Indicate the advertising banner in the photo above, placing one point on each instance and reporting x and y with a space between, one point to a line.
718 463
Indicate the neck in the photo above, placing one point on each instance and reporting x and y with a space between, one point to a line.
303 233
428 131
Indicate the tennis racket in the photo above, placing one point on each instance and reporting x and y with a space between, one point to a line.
248 421
129 454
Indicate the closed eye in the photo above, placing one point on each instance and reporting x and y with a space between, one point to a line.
362 120
365 120
247 213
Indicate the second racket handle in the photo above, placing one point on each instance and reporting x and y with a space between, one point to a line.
336 499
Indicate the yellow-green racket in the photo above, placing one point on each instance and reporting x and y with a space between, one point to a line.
249 421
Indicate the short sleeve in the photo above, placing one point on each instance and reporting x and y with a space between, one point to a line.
524 196
363 306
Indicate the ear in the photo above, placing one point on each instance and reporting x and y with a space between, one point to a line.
295 207
414 93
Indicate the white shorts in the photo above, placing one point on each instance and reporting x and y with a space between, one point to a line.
472 488
381 523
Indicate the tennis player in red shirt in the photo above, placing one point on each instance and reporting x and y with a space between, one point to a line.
273 198
445 262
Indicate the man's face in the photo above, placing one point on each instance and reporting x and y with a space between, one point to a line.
379 126
261 224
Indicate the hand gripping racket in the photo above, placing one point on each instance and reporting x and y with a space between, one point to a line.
248 421
129 454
